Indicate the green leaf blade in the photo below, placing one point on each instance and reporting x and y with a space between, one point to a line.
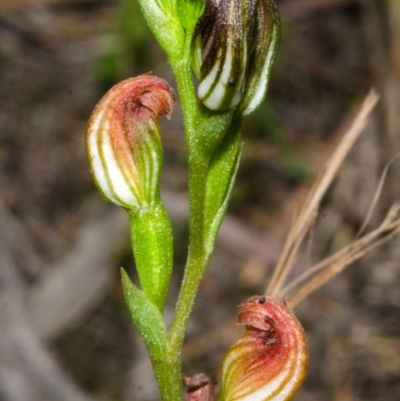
147 318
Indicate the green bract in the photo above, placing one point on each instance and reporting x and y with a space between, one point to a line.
147 318
189 13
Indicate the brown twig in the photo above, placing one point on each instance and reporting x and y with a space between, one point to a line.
377 195
336 263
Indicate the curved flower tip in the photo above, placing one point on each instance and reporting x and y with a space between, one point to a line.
269 362
122 140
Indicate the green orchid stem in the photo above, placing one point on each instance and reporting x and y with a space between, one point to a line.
198 164
168 374
168 370
181 66
195 268
197 258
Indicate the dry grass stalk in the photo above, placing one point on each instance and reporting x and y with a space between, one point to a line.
336 263
304 219
376 196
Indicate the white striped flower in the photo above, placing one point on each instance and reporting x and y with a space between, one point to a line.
123 143
269 362
239 40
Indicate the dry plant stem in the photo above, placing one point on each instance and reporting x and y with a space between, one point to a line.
290 251
341 260
376 196
311 205
387 226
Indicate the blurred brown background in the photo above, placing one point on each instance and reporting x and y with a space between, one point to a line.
65 333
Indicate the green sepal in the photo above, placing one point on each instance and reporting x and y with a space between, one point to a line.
152 244
189 12
220 180
195 52
147 318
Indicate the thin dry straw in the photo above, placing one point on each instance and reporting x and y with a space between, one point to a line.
376 196
334 264
337 268
309 210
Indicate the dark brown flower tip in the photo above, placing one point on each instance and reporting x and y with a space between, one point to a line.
238 40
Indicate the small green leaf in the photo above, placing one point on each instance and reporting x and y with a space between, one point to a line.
146 317
220 180
189 12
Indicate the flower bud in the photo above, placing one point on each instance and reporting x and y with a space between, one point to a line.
123 143
125 155
269 362
238 45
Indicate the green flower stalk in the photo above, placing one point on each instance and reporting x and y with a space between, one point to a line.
125 156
